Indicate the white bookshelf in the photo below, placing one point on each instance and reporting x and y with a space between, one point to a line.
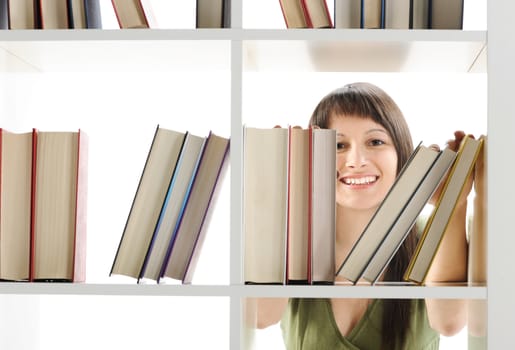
231 61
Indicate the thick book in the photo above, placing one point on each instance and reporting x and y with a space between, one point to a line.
23 14
299 211
317 14
184 251
478 244
395 201
173 206
148 201
397 14
372 14
419 14
478 226
15 204
407 218
84 14
265 186
445 14
323 206
213 14
4 14
59 190
130 14
436 226
54 14
293 14
347 13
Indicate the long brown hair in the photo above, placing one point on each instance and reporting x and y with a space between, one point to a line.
369 101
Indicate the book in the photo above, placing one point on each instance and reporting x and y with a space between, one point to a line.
477 273
317 14
265 174
419 14
15 204
184 250
130 14
406 183
59 190
299 211
478 244
4 14
23 14
402 226
437 223
83 14
397 14
347 13
372 14
323 206
148 201
293 14
54 14
213 13
445 14
173 206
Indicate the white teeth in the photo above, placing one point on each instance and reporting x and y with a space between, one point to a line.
365 180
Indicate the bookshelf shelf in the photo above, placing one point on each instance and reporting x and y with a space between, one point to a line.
338 291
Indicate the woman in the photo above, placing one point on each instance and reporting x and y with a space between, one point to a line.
373 143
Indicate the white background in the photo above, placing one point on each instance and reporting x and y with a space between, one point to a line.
120 111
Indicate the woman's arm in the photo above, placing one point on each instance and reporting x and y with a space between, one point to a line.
449 316
268 311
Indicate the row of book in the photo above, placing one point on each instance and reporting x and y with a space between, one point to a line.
50 14
289 205
43 194
169 216
285 228
374 14
87 14
143 14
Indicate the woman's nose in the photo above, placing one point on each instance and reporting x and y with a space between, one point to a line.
356 158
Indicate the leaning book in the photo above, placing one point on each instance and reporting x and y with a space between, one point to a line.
438 221
402 226
394 203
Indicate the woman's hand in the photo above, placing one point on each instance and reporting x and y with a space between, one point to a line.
454 144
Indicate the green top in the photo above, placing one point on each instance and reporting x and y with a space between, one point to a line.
309 324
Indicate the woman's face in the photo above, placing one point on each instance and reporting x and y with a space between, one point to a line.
366 162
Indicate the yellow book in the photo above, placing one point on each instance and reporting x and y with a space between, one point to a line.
439 219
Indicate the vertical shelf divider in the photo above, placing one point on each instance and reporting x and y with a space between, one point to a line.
236 152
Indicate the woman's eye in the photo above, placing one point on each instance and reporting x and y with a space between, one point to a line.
340 146
377 142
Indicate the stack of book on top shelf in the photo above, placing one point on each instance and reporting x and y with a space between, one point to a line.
391 223
169 216
50 14
289 205
374 14
145 14
43 190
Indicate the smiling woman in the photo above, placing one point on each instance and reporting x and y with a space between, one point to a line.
373 144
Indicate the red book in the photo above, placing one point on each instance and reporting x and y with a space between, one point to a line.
59 191
317 13
293 13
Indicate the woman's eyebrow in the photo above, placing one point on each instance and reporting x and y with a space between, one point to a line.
339 134
376 130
